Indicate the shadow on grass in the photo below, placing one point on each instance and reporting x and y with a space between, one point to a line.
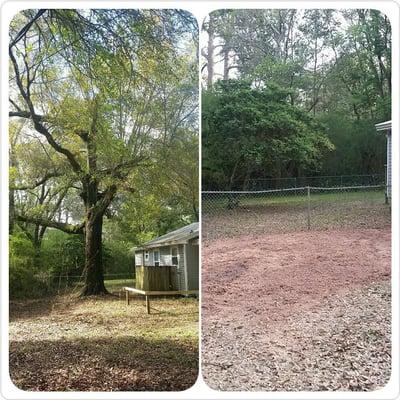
104 364
28 309
157 311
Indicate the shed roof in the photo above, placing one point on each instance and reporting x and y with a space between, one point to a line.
384 126
179 236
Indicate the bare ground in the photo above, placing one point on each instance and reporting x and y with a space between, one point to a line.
263 220
63 343
299 311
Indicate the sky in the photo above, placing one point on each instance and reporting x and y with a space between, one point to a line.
325 55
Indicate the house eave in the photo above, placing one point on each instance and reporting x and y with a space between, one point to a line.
384 126
163 244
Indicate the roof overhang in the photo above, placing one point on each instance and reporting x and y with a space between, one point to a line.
162 244
180 236
384 126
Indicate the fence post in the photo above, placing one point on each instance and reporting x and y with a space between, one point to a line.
59 283
386 186
308 208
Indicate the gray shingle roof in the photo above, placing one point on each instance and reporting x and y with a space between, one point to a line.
384 126
181 235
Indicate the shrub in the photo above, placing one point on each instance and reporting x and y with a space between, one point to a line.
24 279
63 255
117 258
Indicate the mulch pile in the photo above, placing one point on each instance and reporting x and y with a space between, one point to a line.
299 311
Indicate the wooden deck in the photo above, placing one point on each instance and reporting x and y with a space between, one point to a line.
148 293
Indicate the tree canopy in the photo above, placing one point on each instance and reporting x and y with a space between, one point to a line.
104 104
335 65
248 129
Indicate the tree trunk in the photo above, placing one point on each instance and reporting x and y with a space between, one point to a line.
11 192
93 272
11 204
315 75
210 53
226 62
37 245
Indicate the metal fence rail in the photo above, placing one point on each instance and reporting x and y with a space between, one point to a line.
231 213
304 181
324 181
59 282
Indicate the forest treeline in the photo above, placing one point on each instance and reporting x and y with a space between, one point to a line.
291 93
103 139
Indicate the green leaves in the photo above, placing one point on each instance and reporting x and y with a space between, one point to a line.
247 129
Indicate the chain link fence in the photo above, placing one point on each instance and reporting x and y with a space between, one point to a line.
317 181
61 283
235 213
303 181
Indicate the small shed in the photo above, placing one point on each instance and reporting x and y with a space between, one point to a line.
169 262
386 127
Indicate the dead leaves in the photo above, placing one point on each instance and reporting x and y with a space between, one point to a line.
348 349
102 345
311 311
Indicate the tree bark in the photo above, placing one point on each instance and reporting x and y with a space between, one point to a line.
93 271
226 62
95 205
210 52
11 192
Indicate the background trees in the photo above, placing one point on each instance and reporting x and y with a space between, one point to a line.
109 98
247 130
333 64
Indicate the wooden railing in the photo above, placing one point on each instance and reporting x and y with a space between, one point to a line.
162 278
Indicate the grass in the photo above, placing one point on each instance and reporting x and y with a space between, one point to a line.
221 201
262 214
66 343
115 285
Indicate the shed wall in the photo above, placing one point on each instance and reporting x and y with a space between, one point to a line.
181 268
166 260
389 165
192 258
155 278
165 256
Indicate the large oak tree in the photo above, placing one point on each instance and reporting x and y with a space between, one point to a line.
96 87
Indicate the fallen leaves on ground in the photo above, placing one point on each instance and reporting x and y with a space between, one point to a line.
100 344
300 311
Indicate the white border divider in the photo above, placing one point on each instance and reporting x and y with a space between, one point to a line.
200 9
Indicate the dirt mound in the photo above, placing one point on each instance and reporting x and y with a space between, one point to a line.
255 287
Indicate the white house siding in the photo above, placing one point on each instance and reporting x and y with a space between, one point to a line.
192 258
389 165
138 258
166 259
165 256
191 282
181 268
150 261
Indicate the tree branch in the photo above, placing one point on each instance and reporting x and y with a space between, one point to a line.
25 114
101 206
37 119
117 170
14 104
26 28
68 228
37 183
